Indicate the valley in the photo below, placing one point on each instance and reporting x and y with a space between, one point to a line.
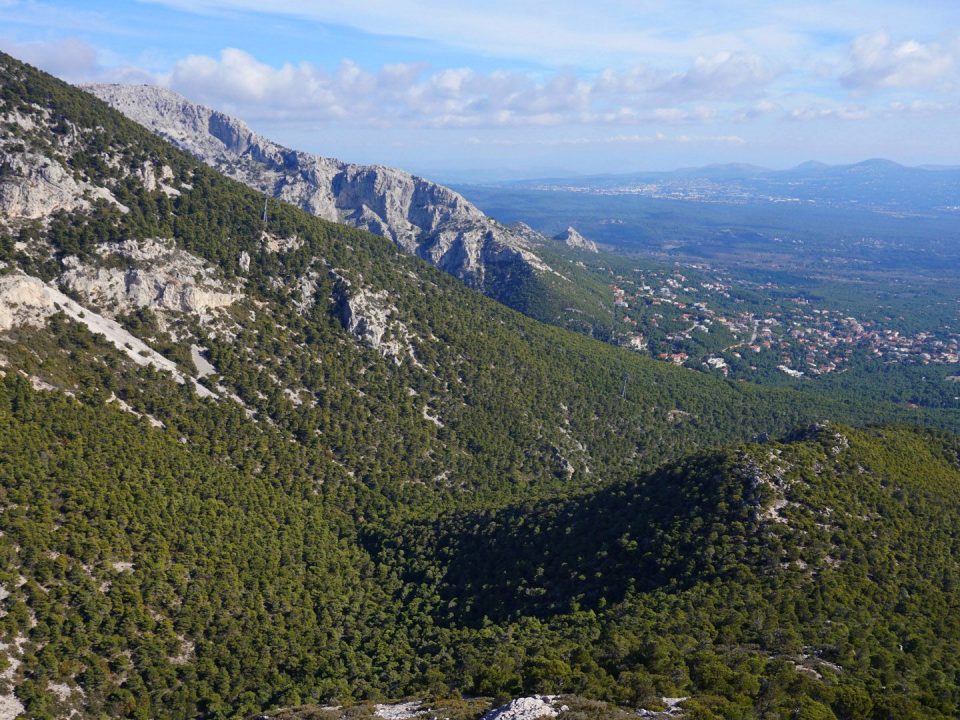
272 464
744 291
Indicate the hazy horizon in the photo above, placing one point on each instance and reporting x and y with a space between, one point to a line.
514 91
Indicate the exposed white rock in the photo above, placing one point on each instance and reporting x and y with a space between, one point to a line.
421 217
126 408
61 690
154 178
369 316
158 276
399 711
10 705
275 244
204 367
34 185
524 708
28 301
37 186
307 287
574 239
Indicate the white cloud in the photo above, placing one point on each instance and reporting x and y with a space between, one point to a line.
621 32
73 60
758 109
923 107
721 76
658 138
68 58
876 62
824 111
416 96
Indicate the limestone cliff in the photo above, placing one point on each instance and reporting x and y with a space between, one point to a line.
422 217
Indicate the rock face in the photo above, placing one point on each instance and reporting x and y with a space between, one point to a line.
157 275
571 238
524 708
33 185
28 301
421 217
368 316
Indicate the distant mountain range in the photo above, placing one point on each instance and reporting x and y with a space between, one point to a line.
876 183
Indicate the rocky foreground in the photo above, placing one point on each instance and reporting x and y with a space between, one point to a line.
532 707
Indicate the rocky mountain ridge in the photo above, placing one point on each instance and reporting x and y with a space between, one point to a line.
571 237
421 217
300 469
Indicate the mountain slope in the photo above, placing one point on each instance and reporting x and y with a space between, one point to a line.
205 444
318 328
421 217
817 573
833 554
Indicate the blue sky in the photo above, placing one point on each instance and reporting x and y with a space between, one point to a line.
521 88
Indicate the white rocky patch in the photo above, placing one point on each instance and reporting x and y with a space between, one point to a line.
28 301
571 238
274 244
399 711
204 367
435 419
307 291
187 652
127 408
10 705
158 276
524 708
368 315
61 690
673 709
38 186
154 178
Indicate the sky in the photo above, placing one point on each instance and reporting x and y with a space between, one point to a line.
503 89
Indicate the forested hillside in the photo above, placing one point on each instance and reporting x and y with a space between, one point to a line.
817 574
245 467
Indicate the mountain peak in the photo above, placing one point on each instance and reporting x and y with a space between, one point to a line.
572 238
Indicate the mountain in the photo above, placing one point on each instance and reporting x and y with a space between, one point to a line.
248 469
571 238
421 217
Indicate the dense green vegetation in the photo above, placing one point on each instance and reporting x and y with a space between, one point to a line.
321 539
251 588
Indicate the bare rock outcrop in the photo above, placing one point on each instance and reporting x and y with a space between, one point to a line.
28 301
525 708
154 274
571 238
369 316
34 185
421 217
